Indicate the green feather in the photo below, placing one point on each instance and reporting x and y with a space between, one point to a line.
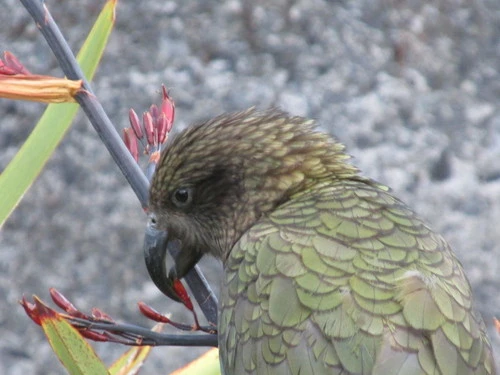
365 282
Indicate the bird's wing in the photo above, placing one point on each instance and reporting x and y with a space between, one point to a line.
345 279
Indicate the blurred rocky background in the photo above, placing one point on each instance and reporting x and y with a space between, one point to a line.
411 87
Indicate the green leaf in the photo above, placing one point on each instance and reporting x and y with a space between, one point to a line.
70 347
91 52
53 125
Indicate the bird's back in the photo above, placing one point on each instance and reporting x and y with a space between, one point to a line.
345 279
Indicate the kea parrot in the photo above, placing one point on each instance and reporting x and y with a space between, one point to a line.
325 271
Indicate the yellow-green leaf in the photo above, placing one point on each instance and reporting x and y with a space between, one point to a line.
133 359
70 347
207 364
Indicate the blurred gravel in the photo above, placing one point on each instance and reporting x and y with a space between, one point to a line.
411 87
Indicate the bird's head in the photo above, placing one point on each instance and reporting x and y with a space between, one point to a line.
216 179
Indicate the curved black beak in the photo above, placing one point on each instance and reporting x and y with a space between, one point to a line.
155 252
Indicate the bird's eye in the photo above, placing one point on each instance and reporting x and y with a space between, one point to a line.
152 219
182 197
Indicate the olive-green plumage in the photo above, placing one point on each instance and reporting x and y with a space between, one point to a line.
325 272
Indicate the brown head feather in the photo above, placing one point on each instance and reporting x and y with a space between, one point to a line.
238 167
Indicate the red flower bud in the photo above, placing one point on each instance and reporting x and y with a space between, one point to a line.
135 124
